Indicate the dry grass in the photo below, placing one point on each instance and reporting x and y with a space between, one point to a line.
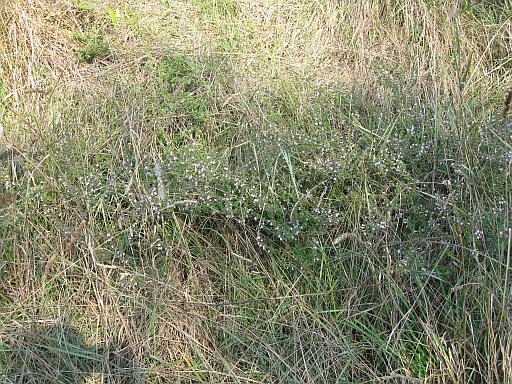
100 281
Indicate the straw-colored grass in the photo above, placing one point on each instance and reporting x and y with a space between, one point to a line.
255 191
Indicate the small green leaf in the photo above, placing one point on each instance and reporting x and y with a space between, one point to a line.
113 16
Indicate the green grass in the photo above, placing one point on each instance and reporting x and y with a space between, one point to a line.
232 192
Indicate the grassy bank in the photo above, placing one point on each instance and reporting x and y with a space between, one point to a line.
234 191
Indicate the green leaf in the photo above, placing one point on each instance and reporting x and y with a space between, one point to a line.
113 16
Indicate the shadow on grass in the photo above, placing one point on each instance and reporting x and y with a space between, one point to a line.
58 354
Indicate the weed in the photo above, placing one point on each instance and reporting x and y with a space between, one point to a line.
93 47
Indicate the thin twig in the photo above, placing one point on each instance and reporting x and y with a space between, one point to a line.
402 377
261 299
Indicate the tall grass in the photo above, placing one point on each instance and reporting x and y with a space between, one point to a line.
232 191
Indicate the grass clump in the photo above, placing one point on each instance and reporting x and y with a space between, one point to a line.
255 193
92 47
